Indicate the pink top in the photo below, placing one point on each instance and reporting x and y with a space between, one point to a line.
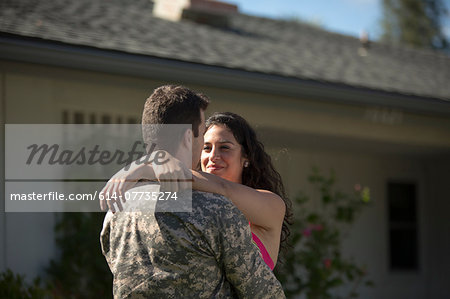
265 255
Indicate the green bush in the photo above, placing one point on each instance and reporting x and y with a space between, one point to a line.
14 287
314 265
81 270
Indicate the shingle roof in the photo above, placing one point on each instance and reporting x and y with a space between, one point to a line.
254 44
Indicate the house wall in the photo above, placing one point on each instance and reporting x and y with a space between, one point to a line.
367 145
438 234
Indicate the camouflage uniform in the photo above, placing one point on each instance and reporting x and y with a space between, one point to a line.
204 254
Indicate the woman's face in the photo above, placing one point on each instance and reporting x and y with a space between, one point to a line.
222 154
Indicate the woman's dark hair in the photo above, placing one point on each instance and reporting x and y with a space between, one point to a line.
260 173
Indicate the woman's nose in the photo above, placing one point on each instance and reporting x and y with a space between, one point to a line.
214 154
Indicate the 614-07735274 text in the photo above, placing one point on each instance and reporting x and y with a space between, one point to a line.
141 195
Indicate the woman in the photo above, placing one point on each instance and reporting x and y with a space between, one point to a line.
248 179
235 165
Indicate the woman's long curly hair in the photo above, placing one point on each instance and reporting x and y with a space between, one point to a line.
260 173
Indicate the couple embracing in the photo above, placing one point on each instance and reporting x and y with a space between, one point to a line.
228 244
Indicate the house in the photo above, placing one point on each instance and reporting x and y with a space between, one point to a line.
379 115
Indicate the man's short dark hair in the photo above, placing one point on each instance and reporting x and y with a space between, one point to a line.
173 104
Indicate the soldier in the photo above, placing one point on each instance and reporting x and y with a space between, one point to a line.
204 253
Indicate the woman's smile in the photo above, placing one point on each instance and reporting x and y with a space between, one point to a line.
213 168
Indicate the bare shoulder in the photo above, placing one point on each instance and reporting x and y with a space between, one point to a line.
274 200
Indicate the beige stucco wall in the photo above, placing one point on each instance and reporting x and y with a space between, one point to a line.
301 116
367 145
34 93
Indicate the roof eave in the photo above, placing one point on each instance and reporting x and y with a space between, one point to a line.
16 48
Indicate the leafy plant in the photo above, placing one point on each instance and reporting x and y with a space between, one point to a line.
13 286
315 266
81 270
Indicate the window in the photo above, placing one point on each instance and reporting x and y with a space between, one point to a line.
106 119
79 117
403 240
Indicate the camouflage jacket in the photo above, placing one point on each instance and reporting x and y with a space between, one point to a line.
207 253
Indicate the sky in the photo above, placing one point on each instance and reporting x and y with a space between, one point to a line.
348 17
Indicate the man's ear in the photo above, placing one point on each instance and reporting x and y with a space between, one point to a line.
187 138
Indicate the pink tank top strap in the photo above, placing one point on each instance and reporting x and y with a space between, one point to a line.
265 255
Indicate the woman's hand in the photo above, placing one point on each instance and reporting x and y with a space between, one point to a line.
125 179
172 175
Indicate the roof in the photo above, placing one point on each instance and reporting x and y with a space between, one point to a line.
260 45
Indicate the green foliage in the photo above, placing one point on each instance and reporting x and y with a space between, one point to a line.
81 271
315 266
14 287
414 22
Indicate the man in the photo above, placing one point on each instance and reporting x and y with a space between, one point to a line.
206 253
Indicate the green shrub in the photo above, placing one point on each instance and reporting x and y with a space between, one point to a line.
81 270
14 287
314 265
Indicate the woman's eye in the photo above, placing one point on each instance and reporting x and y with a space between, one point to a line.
225 147
206 148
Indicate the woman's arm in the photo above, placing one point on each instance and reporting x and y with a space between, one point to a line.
261 207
